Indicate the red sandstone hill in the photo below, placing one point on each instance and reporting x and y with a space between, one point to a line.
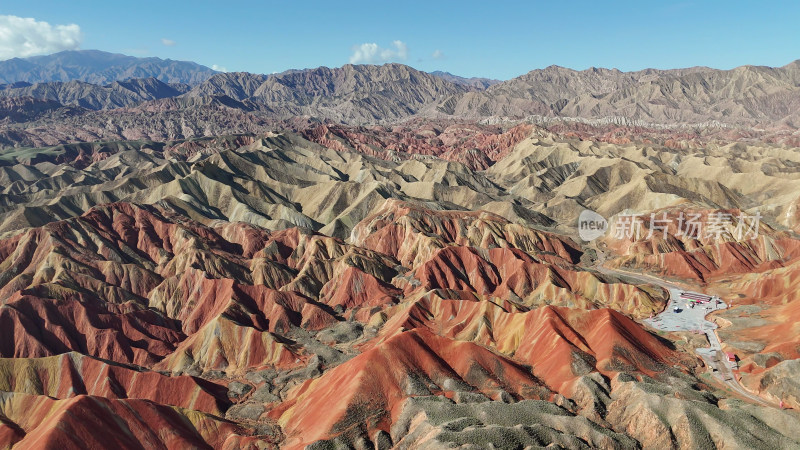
515 276
365 393
704 255
446 309
140 285
409 232
560 344
756 275
36 421
72 374
477 147
126 283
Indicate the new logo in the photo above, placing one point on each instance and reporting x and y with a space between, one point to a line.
591 225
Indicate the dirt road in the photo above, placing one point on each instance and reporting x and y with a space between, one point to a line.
692 319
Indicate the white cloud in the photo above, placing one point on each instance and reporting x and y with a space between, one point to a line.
371 53
437 54
25 36
218 68
168 42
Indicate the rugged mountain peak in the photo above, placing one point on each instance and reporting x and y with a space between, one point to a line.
236 85
99 67
87 95
475 82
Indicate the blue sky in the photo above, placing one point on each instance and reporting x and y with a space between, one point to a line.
467 38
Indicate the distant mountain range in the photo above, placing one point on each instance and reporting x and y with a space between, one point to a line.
91 96
94 66
353 93
746 95
477 82
749 96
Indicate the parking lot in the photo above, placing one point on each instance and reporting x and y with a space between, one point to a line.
687 318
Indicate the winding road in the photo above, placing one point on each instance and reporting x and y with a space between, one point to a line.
692 319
